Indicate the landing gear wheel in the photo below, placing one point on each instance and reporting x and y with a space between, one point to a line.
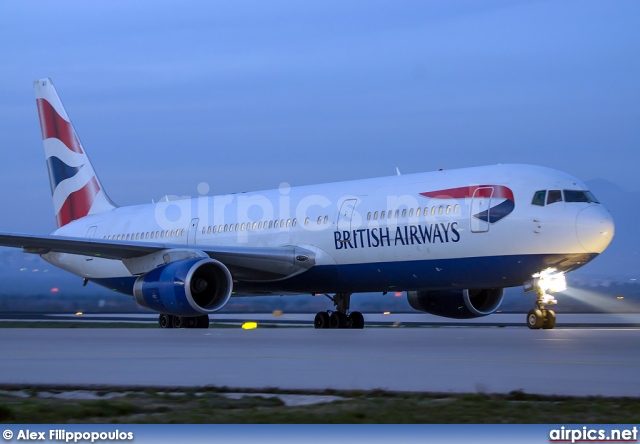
202 321
321 320
357 320
165 321
338 320
535 319
549 319
184 322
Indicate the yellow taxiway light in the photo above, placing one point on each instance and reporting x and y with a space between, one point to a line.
249 325
386 313
79 313
277 313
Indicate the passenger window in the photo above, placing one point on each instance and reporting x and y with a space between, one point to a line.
456 209
426 211
440 209
319 220
382 213
411 212
404 213
288 222
448 209
275 224
397 213
294 222
306 221
326 219
260 225
554 196
418 212
433 211
236 227
538 198
375 216
368 216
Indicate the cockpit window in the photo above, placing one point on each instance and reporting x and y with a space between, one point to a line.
538 198
579 196
554 196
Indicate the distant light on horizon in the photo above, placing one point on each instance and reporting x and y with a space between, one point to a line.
55 290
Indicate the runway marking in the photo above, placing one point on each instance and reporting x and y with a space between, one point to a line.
318 357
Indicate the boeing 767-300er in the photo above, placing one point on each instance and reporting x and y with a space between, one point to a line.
453 240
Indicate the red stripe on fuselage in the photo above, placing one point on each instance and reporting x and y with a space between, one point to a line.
53 125
78 203
498 191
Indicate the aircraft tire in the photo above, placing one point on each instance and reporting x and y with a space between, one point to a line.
321 320
535 319
165 320
549 319
357 320
202 321
338 320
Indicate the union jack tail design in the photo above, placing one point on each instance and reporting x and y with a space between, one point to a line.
75 187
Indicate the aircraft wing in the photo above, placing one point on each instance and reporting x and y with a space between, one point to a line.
244 263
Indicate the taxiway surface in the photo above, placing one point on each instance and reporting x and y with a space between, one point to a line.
564 361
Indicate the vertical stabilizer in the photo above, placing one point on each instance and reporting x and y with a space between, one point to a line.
75 187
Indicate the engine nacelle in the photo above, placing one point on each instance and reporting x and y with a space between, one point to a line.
189 287
458 304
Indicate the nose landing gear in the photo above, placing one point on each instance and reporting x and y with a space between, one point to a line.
547 280
341 317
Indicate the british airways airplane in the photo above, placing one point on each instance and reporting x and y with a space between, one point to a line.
453 240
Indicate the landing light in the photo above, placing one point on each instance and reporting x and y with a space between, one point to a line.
249 325
550 280
620 297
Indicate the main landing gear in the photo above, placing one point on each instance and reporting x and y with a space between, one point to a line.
341 317
541 317
171 321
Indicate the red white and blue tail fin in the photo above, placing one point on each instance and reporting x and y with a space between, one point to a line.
75 187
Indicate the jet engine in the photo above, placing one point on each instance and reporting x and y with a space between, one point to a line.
188 287
458 304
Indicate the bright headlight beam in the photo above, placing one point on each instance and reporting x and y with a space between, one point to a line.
550 280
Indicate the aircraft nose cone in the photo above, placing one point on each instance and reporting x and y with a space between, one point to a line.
595 229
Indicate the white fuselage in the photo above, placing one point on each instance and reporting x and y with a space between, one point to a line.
375 234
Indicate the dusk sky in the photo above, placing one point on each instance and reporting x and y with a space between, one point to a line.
246 95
